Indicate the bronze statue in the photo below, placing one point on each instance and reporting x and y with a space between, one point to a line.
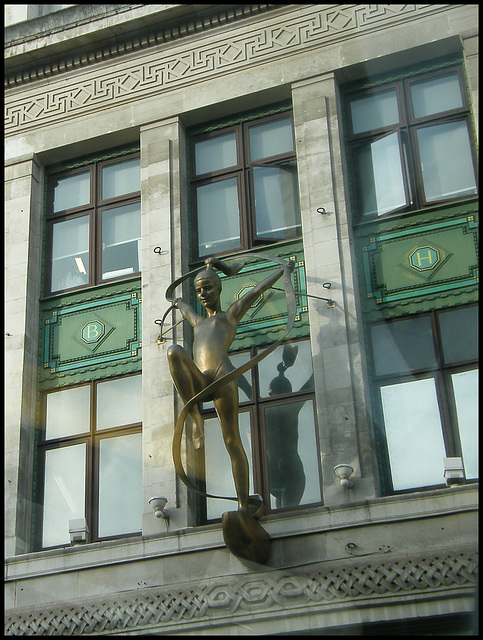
212 338
210 370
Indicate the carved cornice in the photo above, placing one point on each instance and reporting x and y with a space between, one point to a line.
161 67
278 593
67 55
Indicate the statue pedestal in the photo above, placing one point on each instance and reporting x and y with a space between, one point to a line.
245 537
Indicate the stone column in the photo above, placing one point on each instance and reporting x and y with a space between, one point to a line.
335 332
162 202
23 225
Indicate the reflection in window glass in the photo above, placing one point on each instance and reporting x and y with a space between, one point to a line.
271 138
119 402
216 153
292 454
121 241
374 111
72 191
465 385
414 434
435 95
380 172
446 161
276 202
120 485
403 346
121 178
459 334
288 369
219 478
67 412
218 216
63 492
70 253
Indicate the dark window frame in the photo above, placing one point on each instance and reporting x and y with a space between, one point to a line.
441 373
93 211
243 170
91 439
407 127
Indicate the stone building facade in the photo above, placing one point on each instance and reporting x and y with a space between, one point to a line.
141 139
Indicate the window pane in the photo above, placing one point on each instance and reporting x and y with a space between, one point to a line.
286 370
276 203
446 161
374 111
413 433
271 138
64 500
459 334
403 346
72 191
218 216
68 412
70 253
219 478
119 402
121 241
216 153
436 95
120 485
120 178
380 172
292 454
465 386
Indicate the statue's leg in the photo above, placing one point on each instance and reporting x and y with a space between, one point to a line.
189 381
226 405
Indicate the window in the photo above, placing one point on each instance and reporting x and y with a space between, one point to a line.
93 224
427 384
244 186
278 430
90 453
411 144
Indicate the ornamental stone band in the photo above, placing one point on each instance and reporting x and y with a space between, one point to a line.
167 67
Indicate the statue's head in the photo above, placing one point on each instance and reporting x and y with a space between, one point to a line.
209 274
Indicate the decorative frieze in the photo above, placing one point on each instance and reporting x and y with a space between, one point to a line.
275 593
163 68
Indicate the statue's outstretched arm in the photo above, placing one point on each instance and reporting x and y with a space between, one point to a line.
241 306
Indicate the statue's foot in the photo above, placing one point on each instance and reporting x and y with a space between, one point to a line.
256 507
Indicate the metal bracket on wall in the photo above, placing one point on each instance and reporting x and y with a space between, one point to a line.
326 285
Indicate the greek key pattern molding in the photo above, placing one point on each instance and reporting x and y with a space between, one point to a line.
275 592
164 68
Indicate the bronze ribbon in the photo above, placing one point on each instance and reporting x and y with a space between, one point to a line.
178 432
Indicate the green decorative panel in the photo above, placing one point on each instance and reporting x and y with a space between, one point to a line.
416 263
91 335
267 317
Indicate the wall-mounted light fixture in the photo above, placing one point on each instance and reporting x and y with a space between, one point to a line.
78 531
454 471
158 505
344 472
